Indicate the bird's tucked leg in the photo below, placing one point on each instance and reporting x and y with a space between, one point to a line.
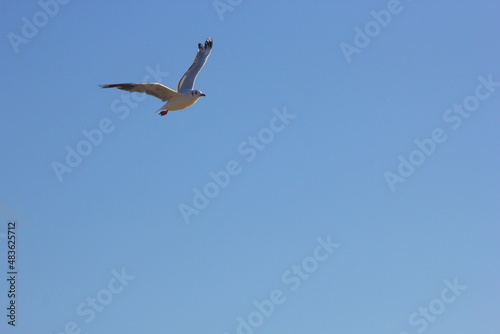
163 112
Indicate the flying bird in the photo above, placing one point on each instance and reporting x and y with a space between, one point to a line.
185 95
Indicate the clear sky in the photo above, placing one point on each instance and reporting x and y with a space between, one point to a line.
340 176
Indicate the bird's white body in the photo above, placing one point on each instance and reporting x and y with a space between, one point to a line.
185 95
181 102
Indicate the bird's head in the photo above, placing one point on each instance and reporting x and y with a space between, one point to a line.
197 93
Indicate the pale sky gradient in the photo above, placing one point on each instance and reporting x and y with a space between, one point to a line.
283 167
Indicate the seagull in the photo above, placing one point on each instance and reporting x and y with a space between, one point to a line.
185 95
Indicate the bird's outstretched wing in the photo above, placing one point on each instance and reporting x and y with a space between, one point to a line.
155 89
187 81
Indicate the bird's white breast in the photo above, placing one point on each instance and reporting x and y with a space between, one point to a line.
181 102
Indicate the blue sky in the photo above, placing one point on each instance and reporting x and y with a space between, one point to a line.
340 176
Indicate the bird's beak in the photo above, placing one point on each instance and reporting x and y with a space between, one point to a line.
202 95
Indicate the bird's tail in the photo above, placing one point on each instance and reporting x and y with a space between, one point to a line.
159 111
